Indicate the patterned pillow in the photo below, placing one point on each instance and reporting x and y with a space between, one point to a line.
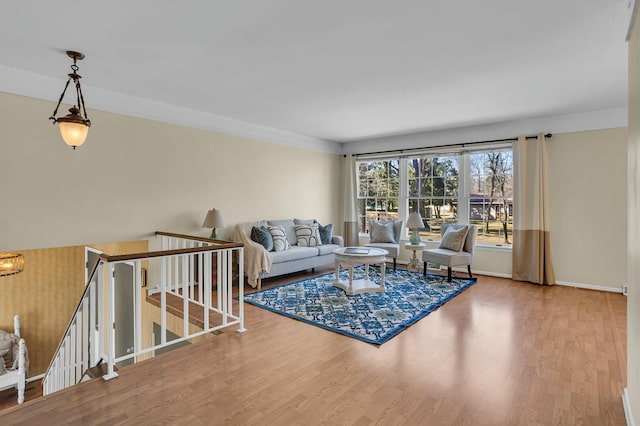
308 235
326 233
263 237
382 232
453 239
280 242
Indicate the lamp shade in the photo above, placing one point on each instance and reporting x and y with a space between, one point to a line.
214 219
415 221
73 133
11 263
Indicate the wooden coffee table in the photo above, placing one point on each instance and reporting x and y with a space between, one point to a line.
353 256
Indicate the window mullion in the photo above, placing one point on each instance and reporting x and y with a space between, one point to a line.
464 177
403 193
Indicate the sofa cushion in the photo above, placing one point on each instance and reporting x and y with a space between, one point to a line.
326 233
294 253
447 257
327 249
280 241
308 235
392 248
263 237
289 229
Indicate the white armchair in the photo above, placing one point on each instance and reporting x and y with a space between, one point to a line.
14 359
386 236
456 248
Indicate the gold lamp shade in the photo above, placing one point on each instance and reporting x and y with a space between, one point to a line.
11 264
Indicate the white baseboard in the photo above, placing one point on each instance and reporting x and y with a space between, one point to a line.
474 272
627 408
562 283
590 286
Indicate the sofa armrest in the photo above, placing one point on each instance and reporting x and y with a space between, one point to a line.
256 258
337 239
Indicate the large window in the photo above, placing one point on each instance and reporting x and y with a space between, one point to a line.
471 187
433 191
491 195
378 191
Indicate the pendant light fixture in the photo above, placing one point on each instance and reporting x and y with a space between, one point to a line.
11 264
73 126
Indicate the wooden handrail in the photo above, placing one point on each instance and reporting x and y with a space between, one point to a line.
219 245
192 237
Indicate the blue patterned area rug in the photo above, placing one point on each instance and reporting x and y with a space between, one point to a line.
372 317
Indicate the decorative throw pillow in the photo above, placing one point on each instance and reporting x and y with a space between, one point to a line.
326 233
304 221
280 242
262 237
453 239
289 229
6 351
16 354
382 232
308 235
3 368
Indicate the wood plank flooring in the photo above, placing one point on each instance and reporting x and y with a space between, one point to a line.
500 353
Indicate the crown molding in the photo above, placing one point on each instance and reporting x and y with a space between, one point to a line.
25 83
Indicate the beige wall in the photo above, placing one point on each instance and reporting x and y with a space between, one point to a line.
633 301
131 178
587 197
134 176
588 181
46 295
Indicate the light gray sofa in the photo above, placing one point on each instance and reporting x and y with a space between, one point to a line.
260 263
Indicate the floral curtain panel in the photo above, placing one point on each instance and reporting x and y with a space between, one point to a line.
531 255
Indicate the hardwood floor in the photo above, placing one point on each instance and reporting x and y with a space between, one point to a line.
500 353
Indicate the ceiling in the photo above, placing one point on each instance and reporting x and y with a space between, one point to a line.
329 70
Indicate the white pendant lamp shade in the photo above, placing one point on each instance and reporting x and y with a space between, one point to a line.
73 134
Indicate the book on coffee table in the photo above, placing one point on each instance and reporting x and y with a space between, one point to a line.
356 250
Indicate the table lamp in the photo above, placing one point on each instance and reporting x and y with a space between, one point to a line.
214 220
414 223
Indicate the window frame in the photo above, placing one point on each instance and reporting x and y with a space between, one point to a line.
463 155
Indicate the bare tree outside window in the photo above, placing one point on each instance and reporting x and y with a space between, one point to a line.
378 191
491 195
433 187
433 191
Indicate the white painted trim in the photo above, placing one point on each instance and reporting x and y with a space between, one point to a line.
24 83
590 286
583 121
475 272
490 274
627 408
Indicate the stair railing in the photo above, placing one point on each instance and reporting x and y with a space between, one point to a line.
183 268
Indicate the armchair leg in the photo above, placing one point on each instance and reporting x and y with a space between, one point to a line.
449 274
469 269
394 264
424 269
